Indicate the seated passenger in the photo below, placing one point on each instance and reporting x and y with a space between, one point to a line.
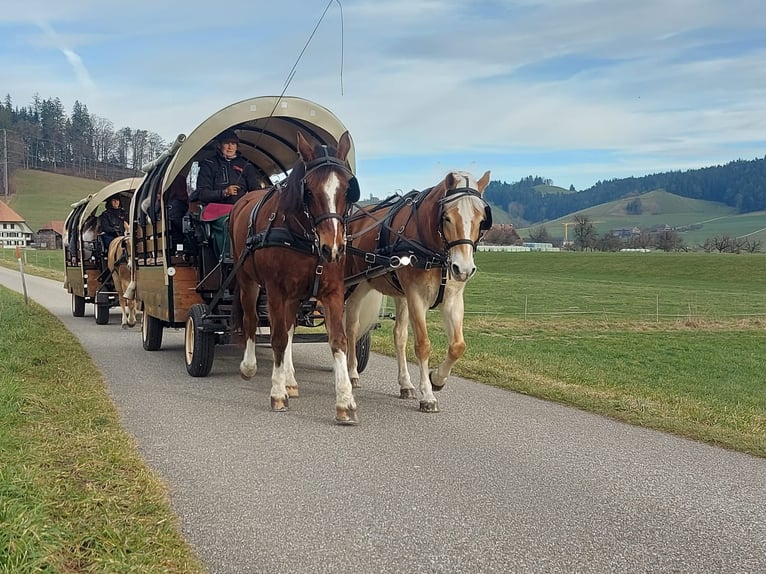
221 181
113 222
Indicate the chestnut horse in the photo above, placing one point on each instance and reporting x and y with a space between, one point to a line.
437 229
290 240
118 262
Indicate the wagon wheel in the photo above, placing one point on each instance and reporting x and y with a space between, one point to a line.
199 345
102 314
363 352
151 332
78 306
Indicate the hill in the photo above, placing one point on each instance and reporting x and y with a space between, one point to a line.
739 184
42 196
695 220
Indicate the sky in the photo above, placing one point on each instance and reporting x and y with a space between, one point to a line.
576 91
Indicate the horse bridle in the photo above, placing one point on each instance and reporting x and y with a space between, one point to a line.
454 195
353 186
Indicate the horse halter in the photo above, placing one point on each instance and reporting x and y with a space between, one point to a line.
327 160
454 195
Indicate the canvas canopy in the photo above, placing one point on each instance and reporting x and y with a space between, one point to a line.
267 128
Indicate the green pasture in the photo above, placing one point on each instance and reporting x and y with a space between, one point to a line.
613 286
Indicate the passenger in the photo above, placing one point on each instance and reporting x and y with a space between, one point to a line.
222 180
177 205
113 222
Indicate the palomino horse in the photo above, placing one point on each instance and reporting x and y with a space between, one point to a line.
118 262
437 229
290 241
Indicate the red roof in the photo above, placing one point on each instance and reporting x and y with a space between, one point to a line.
57 226
7 215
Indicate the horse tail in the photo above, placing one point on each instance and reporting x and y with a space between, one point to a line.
131 290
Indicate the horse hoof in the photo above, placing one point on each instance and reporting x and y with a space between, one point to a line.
346 417
292 392
355 384
429 407
434 386
407 394
279 405
244 376
124 327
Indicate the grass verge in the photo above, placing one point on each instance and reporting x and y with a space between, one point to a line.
75 495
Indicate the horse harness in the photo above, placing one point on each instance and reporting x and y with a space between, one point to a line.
421 256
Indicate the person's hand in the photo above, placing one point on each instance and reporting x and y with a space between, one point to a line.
231 190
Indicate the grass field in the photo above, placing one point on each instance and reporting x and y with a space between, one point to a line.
44 197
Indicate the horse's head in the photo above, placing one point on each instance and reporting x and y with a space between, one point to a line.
465 216
328 190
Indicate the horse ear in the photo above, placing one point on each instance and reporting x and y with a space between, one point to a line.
483 182
305 149
450 181
354 193
344 145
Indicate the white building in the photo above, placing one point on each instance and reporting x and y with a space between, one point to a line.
14 231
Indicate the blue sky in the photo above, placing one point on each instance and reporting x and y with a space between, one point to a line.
573 90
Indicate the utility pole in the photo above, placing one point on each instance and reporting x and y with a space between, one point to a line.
5 163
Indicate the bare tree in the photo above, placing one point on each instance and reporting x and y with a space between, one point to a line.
584 232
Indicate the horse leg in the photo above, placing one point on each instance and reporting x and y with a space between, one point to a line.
291 383
362 309
428 402
401 324
282 319
129 305
345 406
248 298
452 315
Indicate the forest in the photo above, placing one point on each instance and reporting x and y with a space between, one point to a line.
43 135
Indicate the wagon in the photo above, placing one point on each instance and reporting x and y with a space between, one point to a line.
86 275
179 283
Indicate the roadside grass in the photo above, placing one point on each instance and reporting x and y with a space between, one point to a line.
595 340
75 495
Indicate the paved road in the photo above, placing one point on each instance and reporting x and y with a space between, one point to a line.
496 482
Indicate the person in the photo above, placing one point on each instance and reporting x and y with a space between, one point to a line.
222 180
113 222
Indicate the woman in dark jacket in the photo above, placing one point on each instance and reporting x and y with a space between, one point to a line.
223 179
113 222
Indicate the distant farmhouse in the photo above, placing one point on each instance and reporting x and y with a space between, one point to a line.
49 236
14 231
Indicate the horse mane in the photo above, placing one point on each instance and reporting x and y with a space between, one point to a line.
291 193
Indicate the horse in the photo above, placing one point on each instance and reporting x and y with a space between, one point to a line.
436 232
118 262
290 240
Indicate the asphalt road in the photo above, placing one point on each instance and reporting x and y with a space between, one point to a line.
496 482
